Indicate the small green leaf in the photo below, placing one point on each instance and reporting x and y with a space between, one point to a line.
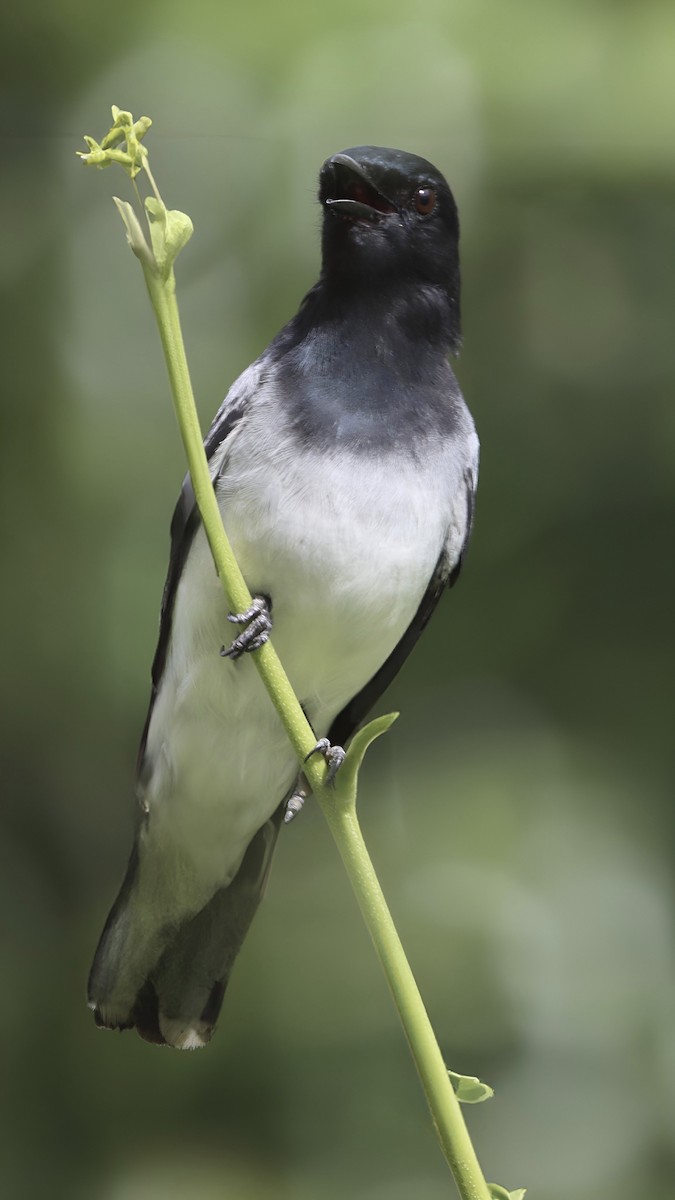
500 1193
135 235
345 786
470 1090
170 230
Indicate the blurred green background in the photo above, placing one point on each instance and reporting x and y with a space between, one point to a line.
521 813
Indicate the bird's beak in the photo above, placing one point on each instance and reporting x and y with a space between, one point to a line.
348 191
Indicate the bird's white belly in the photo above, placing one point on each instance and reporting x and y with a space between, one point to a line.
345 550
346 560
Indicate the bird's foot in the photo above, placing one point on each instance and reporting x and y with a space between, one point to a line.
334 756
258 623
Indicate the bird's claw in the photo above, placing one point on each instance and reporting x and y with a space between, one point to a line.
334 756
258 623
294 805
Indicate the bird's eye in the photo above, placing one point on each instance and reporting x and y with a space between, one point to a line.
424 201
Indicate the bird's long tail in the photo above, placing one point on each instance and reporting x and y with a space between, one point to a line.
168 980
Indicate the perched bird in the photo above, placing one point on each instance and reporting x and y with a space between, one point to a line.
345 464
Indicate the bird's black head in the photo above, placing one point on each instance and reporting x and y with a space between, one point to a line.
390 226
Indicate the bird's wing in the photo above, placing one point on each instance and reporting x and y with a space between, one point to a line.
446 574
186 519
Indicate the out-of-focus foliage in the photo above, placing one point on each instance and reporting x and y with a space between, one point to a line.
521 811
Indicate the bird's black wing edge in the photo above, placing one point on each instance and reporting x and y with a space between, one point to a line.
353 714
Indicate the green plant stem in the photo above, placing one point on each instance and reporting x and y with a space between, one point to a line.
444 1106
338 805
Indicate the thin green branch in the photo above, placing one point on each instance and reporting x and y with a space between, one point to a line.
169 231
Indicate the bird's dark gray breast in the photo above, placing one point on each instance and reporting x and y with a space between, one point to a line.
366 397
